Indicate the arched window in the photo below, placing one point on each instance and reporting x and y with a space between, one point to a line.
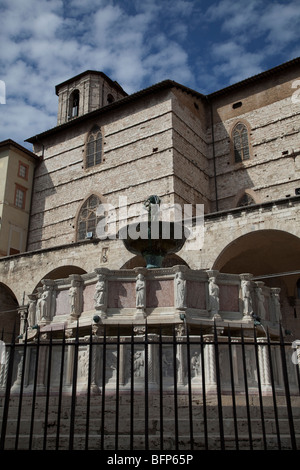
245 200
94 147
110 98
87 219
240 142
74 104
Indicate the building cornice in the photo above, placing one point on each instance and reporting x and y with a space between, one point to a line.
11 143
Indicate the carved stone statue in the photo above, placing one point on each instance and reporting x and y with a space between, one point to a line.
180 289
195 364
100 293
31 319
138 365
214 302
44 304
140 291
75 298
261 311
246 294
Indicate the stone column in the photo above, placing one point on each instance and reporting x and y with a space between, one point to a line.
275 305
264 365
180 356
210 364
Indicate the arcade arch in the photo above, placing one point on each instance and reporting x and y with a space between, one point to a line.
61 273
272 256
9 318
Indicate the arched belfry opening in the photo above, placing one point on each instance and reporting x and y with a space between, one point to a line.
74 104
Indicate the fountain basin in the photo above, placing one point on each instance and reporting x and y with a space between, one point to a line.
153 240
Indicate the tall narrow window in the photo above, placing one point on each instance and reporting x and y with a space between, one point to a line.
240 142
20 197
87 220
94 147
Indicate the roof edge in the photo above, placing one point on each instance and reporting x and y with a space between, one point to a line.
254 78
113 83
12 143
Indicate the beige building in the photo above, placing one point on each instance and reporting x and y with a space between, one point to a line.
17 166
236 151
17 169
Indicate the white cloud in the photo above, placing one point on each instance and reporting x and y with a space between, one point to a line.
136 43
254 33
45 42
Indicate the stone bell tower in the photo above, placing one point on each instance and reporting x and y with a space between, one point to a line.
84 93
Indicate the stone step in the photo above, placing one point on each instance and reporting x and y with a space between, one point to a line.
124 441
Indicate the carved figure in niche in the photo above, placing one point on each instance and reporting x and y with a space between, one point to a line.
180 290
166 365
138 366
140 291
275 291
44 303
74 297
213 289
195 363
31 318
246 293
100 293
261 311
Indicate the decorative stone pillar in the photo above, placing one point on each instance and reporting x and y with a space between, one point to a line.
264 365
152 358
275 304
210 364
17 383
180 356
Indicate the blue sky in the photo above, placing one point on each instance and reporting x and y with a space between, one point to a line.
205 45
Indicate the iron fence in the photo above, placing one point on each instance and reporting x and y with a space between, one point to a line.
150 390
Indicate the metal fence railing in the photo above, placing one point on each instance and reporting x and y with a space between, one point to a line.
150 390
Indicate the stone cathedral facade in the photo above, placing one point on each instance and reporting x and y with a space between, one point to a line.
235 152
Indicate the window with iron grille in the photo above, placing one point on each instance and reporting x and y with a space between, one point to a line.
94 148
240 142
20 197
